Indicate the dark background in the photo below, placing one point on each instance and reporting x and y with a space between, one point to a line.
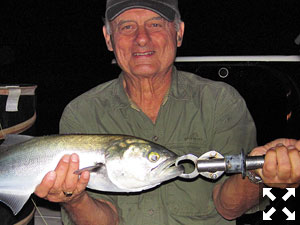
58 45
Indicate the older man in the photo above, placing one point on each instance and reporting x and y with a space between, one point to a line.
182 111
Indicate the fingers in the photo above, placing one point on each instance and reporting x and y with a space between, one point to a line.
295 164
277 163
284 141
283 161
70 179
261 150
270 165
47 183
83 181
63 180
61 170
282 166
297 145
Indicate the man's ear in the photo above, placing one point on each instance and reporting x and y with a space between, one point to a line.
180 33
108 39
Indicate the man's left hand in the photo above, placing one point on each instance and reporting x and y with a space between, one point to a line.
282 163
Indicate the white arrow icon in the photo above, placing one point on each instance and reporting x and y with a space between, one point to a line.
267 216
290 192
291 216
267 191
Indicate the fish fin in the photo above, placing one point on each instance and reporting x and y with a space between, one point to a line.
14 201
13 139
91 169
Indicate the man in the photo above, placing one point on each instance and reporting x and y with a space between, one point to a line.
182 111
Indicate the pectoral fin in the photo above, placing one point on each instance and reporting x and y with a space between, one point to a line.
91 169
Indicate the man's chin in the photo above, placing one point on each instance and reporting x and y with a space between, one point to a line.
145 71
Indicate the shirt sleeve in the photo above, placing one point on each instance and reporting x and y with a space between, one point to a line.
234 129
70 122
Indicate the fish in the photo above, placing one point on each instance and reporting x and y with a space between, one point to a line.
117 163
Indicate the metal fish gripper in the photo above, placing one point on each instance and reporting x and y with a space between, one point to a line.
213 165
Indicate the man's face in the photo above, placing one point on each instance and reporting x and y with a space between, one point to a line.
143 42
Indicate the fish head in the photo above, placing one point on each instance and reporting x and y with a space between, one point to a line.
140 165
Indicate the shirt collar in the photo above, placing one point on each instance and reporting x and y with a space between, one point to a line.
178 90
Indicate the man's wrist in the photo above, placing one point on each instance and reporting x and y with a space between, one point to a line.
74 202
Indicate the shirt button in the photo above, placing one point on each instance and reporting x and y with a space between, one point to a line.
151 212
155 138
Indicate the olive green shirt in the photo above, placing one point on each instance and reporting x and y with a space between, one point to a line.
197 115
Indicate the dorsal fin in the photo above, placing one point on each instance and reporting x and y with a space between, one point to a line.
13 139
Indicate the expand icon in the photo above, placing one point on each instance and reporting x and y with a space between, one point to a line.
290 215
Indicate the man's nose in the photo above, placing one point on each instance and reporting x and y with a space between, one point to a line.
142 36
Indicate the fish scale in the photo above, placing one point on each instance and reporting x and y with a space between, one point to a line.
112 161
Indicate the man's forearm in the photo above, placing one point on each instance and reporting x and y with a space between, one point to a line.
235 196
89 211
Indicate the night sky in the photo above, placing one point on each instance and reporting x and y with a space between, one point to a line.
58 44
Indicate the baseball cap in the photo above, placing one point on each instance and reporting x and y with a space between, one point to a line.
166 8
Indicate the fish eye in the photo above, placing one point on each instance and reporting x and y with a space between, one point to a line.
153 156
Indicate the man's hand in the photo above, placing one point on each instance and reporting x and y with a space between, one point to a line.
62 185
282 163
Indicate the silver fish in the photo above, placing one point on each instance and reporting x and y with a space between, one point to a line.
117 163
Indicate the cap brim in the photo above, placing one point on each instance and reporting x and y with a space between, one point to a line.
165 11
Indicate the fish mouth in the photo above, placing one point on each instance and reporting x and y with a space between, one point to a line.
167 169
